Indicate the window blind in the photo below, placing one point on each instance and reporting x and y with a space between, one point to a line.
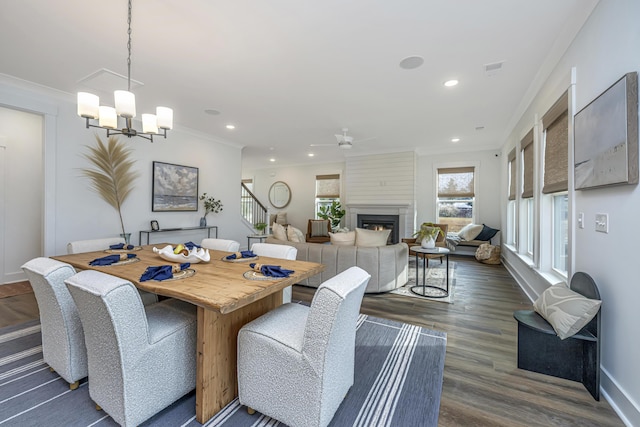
512 174
456 182
556 128
328 186
526 146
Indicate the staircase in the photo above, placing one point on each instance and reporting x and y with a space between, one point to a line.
252 210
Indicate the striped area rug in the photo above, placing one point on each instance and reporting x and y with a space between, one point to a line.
398 382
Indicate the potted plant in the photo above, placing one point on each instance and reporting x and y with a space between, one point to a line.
260 226
210 205
333 213
113 176
427 235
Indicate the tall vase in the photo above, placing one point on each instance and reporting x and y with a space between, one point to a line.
203 221
428 243
126 237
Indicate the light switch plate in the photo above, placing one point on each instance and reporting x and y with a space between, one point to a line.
602 222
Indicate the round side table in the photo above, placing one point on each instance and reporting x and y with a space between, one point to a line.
424 289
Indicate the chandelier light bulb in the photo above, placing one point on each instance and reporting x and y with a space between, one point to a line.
88 105
149 123
165 117
125 103
108 117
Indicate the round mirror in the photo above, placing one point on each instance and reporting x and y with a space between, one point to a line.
279 194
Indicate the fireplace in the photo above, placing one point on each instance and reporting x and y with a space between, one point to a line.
381 222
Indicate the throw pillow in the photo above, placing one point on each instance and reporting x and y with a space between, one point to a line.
371 237
281 218
319 228
487 233
470 231
279 232
272 218
343 239
295 235
567 311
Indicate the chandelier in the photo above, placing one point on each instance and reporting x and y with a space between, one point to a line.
125 106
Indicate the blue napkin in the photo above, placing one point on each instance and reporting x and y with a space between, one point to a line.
242 254
162 272
111 259
271 270
191 245
121 246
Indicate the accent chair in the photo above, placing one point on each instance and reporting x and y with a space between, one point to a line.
63 345
141 358
318 231
296 363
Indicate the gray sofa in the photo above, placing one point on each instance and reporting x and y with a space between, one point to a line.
388 265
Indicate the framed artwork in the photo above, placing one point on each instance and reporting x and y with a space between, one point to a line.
154 225
175 188
606 137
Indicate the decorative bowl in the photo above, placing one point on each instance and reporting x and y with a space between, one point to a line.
195 255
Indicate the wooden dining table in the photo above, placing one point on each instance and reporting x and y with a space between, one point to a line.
225 301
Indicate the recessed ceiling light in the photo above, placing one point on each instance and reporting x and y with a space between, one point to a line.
451 83
411 62
310 154
230 127
212 112
455 139
272 159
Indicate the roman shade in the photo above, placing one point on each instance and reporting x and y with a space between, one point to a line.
556 129
456 182
512 174
328 186
526 145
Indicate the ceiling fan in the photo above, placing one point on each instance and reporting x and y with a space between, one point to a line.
344 141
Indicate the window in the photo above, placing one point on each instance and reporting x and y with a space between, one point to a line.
456 197
511 206
526 146
556 140
511 223
327 190
560 233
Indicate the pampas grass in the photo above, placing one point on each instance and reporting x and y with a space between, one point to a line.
113 176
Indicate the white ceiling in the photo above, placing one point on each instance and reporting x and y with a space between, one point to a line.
289 73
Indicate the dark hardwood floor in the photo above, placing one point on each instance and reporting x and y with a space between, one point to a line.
482 385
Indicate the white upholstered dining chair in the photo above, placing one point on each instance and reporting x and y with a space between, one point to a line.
296 363
63 347
140 358
220 245
277 251
81 246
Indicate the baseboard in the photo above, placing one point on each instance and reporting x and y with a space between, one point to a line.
627 410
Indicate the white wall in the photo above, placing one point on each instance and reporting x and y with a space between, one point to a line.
607 47
73 212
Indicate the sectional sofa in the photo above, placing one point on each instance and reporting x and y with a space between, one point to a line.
388 265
